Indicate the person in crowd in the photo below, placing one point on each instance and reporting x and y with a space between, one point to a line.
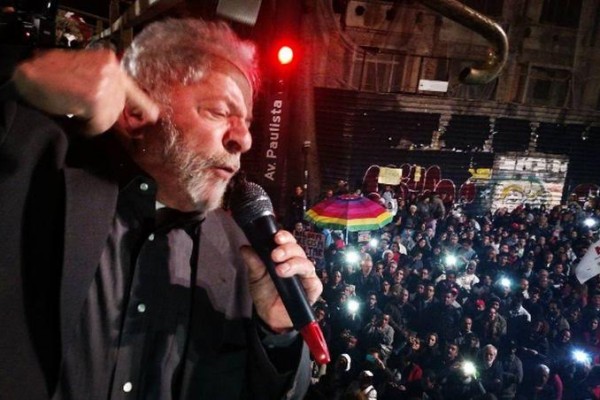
336 380
543 283
435 261
379 270
517 318
427 388
365 280
468 278
526 271
592 309
490 370
484 288
533 305
344 317
323 321
297 206
555 319
402 313
591 335
575 320
181 279
465 334
431 351
542 385
465 254
535 341
512 371
409 222
491 328
374 362
447 283
448 362
333 288
370 309
523 289
421 247
399 277
379 334
385 294
423 304
561 347
444 318
365 385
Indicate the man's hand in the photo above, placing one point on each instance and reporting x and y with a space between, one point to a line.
290 260
88 84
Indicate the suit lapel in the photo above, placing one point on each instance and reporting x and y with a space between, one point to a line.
90 206
221 271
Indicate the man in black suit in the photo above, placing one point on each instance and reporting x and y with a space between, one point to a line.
119 275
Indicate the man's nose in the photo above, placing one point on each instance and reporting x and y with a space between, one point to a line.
237 139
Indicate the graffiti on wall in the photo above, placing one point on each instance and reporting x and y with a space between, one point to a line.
410 181
515 179
534 179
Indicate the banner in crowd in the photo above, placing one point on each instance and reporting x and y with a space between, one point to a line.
589 266
313 244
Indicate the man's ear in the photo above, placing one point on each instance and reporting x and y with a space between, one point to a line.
133 119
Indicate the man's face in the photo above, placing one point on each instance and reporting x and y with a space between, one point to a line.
299 227
489 356
429 292
195 149
398 276
385 320
452 351
404 296
596 300
467 324
448 299
320 315
372 300
366 266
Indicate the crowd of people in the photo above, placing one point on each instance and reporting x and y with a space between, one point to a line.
440 304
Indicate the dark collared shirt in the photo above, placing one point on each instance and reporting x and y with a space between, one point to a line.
133 332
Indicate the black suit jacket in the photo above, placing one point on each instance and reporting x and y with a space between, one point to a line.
55 221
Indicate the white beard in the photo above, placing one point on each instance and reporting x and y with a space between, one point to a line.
191 170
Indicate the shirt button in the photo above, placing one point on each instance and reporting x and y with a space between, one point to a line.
144 186
151 237
141 308
127 387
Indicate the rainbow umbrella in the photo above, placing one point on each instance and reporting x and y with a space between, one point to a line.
350 212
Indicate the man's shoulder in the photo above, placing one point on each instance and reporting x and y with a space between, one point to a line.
29 125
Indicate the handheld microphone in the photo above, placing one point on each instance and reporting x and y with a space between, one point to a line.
253 212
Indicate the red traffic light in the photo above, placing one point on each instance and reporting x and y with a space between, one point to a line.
285 55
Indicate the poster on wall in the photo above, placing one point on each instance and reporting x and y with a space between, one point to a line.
535 178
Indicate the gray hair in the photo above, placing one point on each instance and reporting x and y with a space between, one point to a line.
182 50
490 347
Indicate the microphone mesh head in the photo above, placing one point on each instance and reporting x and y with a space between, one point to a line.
248 202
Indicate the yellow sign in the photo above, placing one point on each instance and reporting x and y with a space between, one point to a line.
389 176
